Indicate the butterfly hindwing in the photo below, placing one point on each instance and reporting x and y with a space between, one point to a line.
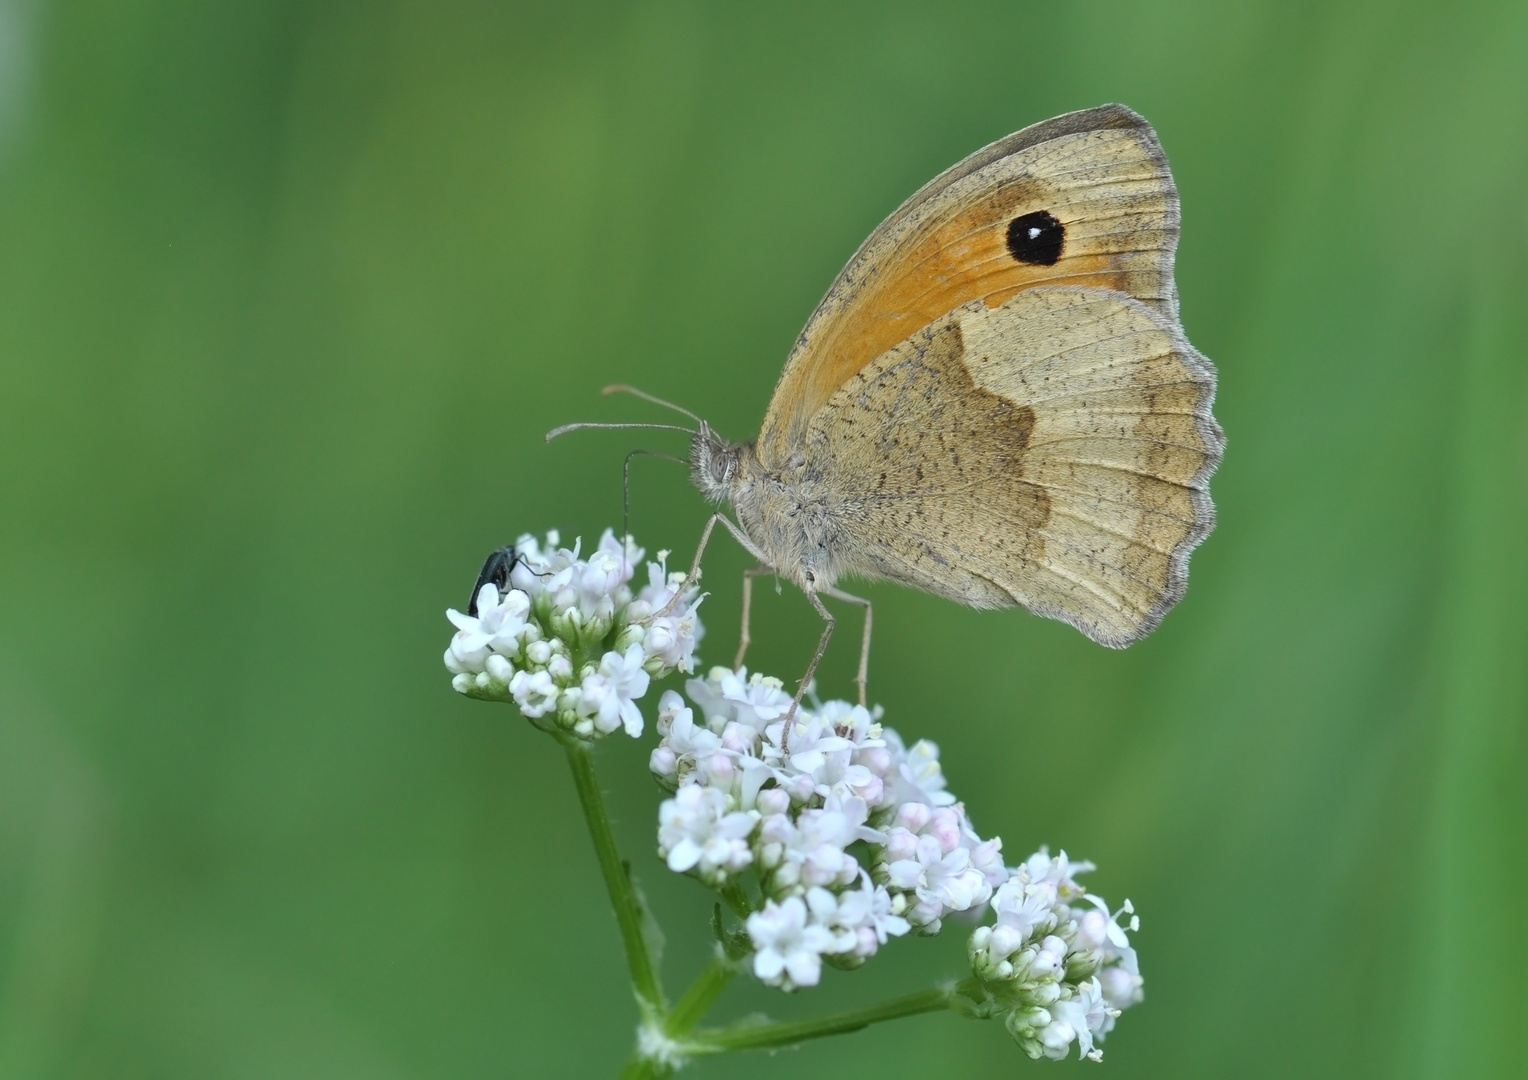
1052 452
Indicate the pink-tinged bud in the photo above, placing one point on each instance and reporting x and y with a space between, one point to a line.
801 787
900 844
722 770
773 801
944 826
913 816
776 829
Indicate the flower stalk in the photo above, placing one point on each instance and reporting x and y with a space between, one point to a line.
629 914
691 1008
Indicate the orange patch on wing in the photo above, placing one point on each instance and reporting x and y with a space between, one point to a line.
964 259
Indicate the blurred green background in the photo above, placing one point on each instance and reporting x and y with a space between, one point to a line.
289 293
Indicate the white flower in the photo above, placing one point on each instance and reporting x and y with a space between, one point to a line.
866 913
671 639
570 641
987 859
1058 871
670 705
533 643
811 851
1067 972
696 832
534 692
496 627
757 702
625 551
689 739
1057 1038
853 722
943 881
660 588
707 694
816 750
1121 986
1022 911
1078 1019
918 776
788 948
597 580
610 693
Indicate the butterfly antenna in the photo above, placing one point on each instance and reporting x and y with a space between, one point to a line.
622 388
580 427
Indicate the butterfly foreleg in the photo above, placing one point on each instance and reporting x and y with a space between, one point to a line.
700 549
864 660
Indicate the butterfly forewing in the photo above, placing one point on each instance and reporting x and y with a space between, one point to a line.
1085 199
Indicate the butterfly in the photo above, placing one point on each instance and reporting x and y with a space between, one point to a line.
995 401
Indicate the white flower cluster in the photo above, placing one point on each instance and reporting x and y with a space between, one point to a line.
568 642
850 836
831 841
1056 964
852 839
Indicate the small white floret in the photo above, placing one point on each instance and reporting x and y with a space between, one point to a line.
789 948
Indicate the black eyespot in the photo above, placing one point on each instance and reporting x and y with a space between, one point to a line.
496 570
1036 238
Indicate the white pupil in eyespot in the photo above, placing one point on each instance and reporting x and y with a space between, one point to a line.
1033 232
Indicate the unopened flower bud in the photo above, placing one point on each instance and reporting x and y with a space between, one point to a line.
773 801
663 762
500 669
913 816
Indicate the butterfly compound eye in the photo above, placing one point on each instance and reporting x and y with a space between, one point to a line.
496 570
1036 238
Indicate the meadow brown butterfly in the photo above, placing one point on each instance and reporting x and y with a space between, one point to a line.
995 402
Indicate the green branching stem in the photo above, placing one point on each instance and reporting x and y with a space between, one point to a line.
674 1029
702 994
753 1036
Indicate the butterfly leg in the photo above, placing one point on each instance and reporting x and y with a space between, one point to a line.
811 668
864 661
700 549
744 639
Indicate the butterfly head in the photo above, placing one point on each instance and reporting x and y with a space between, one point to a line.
714 463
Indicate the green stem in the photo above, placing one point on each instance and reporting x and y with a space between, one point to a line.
701 995
628 909
640 1068
787 1033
